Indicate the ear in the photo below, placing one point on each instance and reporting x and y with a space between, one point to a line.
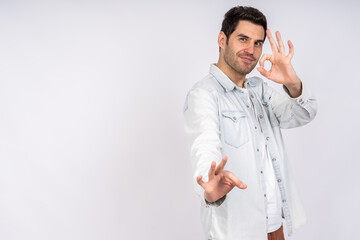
222 39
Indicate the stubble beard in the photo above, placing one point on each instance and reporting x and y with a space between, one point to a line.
233 61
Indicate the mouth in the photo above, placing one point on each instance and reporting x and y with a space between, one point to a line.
247 59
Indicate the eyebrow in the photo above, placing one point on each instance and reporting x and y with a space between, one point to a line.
247 37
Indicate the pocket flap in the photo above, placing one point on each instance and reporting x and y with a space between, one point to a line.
234 115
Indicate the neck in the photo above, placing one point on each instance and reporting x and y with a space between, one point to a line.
234 76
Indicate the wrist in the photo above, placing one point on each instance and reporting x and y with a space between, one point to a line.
209 198
294 89
293 82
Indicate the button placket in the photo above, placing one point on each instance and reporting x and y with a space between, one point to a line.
262 123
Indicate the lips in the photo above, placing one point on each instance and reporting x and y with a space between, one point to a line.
247 59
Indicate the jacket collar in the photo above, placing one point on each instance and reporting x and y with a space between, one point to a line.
225 82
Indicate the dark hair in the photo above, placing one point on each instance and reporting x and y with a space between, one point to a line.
235 14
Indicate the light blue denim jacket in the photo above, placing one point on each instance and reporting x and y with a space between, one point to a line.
218 122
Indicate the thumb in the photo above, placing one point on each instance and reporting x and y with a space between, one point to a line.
200 181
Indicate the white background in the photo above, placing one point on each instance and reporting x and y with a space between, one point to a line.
91 96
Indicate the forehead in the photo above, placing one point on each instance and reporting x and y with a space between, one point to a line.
249 29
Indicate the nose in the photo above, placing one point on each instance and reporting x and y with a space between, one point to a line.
250 48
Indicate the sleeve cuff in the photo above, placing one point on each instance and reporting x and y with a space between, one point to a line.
217 203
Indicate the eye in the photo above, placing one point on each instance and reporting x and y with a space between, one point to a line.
242 39
259 44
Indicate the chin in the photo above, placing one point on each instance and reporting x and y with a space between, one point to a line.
245 70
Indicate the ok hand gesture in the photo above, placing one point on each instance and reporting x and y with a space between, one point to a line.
281 70
220 182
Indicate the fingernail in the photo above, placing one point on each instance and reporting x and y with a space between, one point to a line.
241 185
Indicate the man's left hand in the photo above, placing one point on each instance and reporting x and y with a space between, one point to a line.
281 70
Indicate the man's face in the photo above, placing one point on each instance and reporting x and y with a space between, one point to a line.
244 47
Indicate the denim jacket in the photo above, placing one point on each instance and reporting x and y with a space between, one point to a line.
218 122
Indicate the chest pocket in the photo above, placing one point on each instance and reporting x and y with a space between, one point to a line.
235 128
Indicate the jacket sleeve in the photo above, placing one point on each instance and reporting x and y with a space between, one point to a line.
201 123
292 112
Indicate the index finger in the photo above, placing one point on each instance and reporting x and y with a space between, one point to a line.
273 45
235 180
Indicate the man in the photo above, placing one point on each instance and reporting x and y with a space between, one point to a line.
234 122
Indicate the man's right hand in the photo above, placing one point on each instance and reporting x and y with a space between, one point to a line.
220 182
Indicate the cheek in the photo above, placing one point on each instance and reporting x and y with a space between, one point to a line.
257 53
232 51
236 48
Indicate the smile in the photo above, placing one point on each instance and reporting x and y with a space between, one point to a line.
247 59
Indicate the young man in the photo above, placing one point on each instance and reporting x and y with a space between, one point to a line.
234 122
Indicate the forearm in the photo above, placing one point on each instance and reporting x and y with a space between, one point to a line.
294 88
294 111
201 125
